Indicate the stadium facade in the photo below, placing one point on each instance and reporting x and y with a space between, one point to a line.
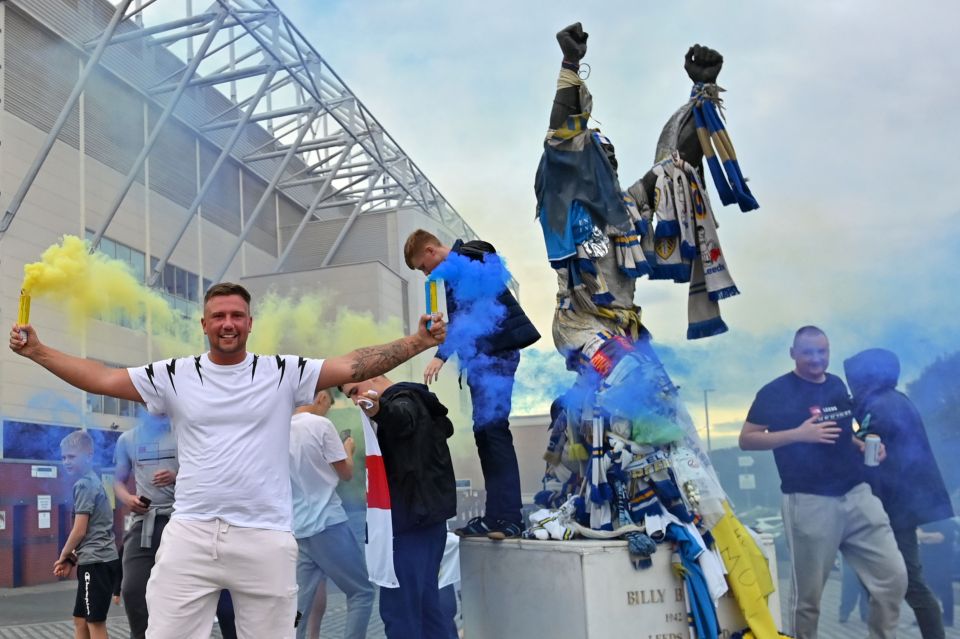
197 147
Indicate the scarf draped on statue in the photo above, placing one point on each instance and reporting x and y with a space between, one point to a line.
715 142
684 245
379 546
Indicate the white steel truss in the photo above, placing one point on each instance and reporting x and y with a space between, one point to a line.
324 150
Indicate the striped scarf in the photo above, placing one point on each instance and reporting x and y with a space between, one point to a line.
715 142
601 494
684 245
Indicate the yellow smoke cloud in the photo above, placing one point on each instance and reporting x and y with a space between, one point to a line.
310 325
89 286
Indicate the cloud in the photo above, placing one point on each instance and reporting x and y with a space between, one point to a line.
541 377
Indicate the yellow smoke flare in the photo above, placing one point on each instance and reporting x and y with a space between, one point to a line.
23 310
89 285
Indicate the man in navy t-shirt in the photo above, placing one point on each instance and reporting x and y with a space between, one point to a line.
805 417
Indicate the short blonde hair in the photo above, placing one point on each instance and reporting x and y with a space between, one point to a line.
77 440
418 241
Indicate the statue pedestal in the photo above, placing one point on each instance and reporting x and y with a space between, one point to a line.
579 590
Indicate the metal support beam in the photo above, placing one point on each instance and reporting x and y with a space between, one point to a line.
317 145
260 117
308 168
238 106
309 214
224 154
47 145
349 223
155 133
267 195
200 18
220 78
338 193
313 180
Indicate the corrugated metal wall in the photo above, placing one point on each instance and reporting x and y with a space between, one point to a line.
113 123
367 241
40 73
173 171
221 203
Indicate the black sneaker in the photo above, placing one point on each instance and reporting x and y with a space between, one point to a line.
504 530
474 528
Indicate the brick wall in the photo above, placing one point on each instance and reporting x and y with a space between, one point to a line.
41 546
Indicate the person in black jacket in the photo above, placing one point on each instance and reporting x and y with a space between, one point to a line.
412 430
908 482
490 357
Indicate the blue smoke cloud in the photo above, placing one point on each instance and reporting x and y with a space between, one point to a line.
58 417
473 291
473 287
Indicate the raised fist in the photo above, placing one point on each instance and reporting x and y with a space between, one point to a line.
573 42
702 64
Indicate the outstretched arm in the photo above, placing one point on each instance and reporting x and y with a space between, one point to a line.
371 361
85 374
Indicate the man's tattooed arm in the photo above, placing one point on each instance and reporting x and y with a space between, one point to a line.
376 360
372 361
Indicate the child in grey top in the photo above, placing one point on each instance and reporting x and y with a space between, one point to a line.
91 538
89 498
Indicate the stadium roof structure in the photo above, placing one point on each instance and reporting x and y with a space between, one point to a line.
241 75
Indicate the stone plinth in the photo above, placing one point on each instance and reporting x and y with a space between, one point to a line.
578 590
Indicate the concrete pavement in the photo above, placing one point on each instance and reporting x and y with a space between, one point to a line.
43 612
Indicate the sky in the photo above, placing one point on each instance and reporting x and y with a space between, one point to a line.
840 113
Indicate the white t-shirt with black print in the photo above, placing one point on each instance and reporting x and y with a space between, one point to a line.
232 425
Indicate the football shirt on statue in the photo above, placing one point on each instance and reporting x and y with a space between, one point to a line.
232 425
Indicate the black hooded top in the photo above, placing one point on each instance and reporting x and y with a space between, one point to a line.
908 481
412 429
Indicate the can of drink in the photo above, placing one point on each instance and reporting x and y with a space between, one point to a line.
871 450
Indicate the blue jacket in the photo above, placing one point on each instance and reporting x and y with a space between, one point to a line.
516 331
908 481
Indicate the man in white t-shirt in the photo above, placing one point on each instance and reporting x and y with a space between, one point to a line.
230 411
328 546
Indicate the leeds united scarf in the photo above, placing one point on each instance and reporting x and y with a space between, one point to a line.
684 245
715 142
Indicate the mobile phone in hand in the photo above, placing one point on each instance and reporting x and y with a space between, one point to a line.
345 434
144 500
